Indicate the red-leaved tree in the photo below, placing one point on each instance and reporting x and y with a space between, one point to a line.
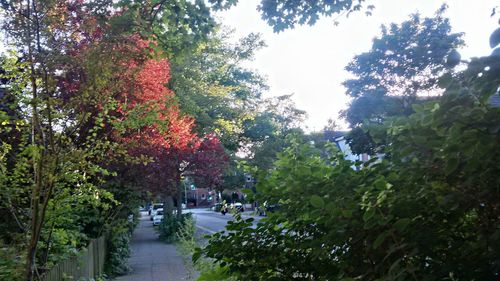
209 162
155 128
135 108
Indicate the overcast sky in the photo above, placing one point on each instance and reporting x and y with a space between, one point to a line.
309 61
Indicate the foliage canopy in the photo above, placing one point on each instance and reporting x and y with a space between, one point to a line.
428 210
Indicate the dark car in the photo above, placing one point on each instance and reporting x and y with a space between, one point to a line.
217 207
263 210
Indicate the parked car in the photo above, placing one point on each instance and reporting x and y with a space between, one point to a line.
154 209
217 207
158 218
264 210
238 206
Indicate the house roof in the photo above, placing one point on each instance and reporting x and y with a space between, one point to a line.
334 135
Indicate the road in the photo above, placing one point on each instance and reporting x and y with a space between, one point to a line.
210 222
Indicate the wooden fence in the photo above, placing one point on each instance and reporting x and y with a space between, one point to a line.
88 264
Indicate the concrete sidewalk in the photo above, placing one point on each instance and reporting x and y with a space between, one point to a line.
151 259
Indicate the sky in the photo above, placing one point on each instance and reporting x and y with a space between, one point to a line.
309 61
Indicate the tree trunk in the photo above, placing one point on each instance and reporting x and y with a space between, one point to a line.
179 201
168 206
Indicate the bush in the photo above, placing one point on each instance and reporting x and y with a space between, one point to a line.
427 211
11 263
118 253
119 229
187 243
170 226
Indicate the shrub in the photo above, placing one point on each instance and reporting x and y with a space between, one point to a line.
11 263
187 243
118 252
170 227
427 211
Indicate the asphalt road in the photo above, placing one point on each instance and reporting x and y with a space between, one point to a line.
209 222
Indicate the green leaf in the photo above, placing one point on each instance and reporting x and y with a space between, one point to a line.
317 201
401 224
435 107
445 80
380 239
417 107
368 214
453 58
196 255
348 279
347 213
451 166
380 183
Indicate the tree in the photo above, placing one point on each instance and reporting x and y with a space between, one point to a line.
178 26
285 14
401 69
405 61
267 133
148 121
84 88
88 91
208 163
213 87
40 32
370 224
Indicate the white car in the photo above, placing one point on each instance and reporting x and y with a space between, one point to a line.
154 209
238 206
158 218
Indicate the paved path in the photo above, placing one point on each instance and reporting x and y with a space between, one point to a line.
151 259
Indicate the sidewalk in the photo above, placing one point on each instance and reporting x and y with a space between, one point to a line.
151 259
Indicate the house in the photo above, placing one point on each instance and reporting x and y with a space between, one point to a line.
195 196
339 138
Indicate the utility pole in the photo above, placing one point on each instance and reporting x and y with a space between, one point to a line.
185 194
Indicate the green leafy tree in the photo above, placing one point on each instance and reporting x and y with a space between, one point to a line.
401 69
55 150
213 87
427 211
267 133
286 14
178 26
234 176
404 63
